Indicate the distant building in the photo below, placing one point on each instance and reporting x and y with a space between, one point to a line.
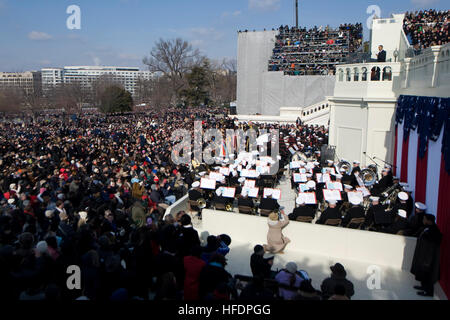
29 81
87 75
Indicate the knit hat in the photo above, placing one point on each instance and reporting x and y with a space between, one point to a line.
291 267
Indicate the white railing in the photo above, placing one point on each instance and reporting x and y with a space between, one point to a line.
180 205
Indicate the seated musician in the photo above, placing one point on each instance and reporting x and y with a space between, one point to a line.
195 193
356 211
385 182
269 204
218 198
356 170
245 201
400 224
402 203
332 212
316 168
346 178
377 216
302 210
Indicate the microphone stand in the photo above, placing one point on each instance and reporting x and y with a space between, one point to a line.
389 164
373 162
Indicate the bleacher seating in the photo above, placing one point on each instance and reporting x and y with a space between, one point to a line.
315 51
426 28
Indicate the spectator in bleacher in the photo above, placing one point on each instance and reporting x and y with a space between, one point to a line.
260 266
338 277
289 277
188 236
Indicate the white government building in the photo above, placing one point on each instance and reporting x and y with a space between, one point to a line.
86 75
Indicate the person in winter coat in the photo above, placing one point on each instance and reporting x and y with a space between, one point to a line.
425 265
338 277
193 266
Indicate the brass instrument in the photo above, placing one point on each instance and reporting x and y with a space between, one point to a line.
391 199
369 177
201 203
229 207
346 166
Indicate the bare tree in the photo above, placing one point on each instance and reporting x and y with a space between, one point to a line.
173 58
11 100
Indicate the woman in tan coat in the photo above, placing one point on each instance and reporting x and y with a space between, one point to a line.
276 242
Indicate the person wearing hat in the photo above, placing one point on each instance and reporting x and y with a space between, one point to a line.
332 212
269 204
245 201
289 277
384 183
402 203
400 224
377 217
416 220
356 211
338 277
260 266
425 264
219 199
195 193
302 210
276 241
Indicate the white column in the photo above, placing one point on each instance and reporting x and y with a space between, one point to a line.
433 173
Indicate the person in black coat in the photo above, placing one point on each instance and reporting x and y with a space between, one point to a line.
338 277
377 217
425 265
244 201
302 211
356 211
213 276
269 204
260 267
416 220
381 55
400 223
332 212
187 237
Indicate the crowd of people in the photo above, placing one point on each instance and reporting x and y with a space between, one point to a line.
92 191
316 51
427 28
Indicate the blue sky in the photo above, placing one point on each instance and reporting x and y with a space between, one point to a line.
33 33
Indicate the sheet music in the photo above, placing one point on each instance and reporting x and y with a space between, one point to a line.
251 192
303 187
364 191
216 176
331 195
334 186
225 171
356 195
208 184
308 197
228 192
328 170
250 183
294 165
275 193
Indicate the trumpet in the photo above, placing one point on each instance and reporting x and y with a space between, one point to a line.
229 207
201 203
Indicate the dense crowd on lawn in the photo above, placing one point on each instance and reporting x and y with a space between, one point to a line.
91 191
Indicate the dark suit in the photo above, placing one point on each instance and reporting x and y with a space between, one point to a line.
354 212
245 202
329 213
381 56
269 204
304 211
195 195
